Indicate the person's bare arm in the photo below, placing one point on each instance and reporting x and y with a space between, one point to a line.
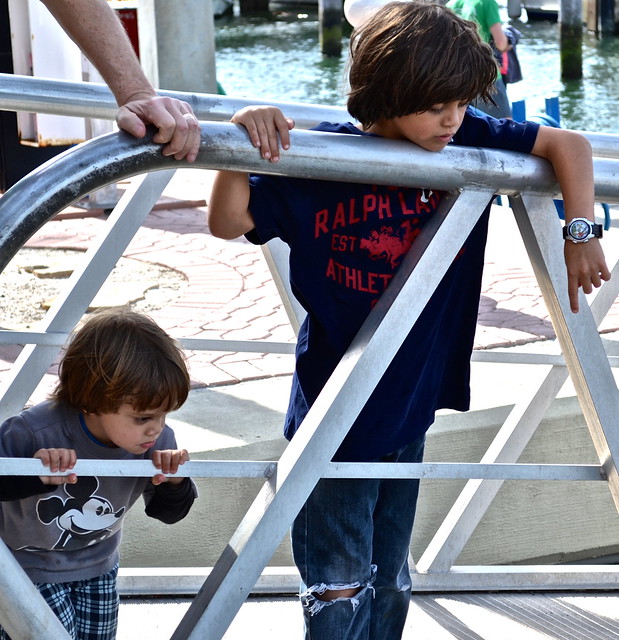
228 213
571 158
498 35
98 32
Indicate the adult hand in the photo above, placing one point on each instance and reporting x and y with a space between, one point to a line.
178 128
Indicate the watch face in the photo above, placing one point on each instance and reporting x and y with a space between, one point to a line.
579 229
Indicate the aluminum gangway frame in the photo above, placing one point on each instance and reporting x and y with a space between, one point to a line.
471 176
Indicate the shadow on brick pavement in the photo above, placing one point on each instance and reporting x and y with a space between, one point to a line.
229 292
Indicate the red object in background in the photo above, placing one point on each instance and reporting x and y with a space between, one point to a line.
129 18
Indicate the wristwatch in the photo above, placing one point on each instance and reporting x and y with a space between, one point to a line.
581 230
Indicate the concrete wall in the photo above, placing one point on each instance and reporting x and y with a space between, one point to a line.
529 522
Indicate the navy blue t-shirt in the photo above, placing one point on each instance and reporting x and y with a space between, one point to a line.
346 242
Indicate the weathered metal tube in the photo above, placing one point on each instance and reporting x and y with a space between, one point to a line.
82 99
82 169
86 167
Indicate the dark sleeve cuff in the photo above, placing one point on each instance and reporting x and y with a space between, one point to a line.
20 487
171 503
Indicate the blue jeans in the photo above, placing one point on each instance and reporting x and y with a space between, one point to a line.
355 534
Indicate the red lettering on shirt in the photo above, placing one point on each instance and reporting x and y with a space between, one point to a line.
369 204
352 219
321 223
339 220
384 207
357 279
405 210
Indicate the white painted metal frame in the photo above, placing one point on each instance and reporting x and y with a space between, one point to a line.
307 458
83 285
474 500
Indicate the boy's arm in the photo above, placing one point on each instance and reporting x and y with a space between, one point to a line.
97 31
58 460
168 461
20 487
228 209
571 158
228 215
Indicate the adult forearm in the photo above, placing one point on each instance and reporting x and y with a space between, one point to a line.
98 32
498 36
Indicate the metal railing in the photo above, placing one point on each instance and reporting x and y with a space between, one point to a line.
471 176
92 100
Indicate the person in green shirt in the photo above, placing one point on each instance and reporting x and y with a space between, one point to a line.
486 14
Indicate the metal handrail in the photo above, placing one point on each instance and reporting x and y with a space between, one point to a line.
265 469
93 100
84 99
109 158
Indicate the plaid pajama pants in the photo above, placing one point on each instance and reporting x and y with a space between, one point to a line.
88 609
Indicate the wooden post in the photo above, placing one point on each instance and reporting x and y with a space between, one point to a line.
570 18
252 6
607 16
330 17
592 15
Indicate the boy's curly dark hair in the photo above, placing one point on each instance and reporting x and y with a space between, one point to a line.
410 56
121 357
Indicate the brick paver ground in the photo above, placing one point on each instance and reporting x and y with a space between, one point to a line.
230 293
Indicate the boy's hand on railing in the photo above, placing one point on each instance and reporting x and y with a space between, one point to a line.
586 268
58 460
168 461
267 128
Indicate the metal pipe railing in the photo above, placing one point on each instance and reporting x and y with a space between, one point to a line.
92 100
83 99
80 170
265 469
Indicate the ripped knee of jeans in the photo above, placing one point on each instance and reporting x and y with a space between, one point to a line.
314 605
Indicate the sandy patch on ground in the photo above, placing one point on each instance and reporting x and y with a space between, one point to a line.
34 278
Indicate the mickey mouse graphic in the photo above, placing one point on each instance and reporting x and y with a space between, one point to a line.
84 516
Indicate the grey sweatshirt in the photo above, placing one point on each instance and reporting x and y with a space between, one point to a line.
70 532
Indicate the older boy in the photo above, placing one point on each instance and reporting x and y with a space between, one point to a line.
414 69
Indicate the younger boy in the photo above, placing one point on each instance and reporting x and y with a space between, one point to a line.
119 377
414 69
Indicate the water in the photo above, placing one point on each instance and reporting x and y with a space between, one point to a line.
277 56
589 104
